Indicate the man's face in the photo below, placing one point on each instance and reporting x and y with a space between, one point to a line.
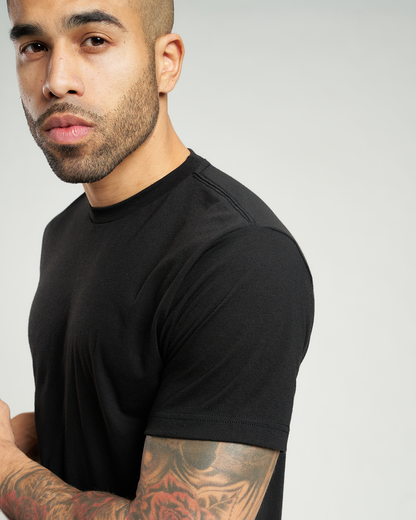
87 83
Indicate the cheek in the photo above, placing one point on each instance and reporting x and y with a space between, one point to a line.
107 88
30 87
115 72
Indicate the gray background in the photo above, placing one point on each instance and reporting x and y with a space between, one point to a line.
312 105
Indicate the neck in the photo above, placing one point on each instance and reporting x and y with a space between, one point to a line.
159 155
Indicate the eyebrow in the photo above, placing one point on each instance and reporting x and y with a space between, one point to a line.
26 29
79 20
70 22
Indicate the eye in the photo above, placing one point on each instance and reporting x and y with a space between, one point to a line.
95 41
34 48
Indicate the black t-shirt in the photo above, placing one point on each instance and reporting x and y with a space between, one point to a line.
184 312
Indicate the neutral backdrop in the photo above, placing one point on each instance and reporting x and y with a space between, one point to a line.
312 105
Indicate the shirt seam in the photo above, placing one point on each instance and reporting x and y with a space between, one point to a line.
227 419
221 191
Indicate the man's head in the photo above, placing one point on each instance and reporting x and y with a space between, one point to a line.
92 77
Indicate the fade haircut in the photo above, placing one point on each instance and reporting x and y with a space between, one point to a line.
157 18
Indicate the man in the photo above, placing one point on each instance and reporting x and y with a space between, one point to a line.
173 308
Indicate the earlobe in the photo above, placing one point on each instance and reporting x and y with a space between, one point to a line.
169 57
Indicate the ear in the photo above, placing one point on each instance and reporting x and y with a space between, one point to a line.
170 52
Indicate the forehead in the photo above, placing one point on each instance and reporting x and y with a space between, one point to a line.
48 13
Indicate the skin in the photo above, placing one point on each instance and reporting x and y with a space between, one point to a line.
61 66
24 430
96 78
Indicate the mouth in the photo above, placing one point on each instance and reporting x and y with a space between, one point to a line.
67 129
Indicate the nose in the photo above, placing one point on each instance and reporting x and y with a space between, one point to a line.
63 76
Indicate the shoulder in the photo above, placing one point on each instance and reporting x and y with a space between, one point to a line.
236 197
254 266
74 210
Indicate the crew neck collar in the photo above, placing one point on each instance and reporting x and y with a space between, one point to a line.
148 195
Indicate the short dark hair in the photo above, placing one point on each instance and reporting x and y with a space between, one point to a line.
157 18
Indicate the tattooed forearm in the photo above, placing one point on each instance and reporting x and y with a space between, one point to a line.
179 480
33 492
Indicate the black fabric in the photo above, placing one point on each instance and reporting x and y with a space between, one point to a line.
184 311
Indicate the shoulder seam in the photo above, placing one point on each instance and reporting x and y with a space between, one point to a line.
210 184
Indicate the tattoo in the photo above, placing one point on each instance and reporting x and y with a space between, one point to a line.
180 480
201 479
34 493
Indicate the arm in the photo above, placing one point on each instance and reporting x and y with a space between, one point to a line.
179 480
24 431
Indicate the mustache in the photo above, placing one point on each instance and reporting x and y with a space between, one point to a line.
68 107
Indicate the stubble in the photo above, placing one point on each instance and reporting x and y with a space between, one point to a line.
115 136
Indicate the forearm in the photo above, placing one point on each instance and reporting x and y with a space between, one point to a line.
178 479
28 490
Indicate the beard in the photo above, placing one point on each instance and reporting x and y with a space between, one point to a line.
115 136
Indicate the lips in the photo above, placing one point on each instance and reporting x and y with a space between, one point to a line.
67 129
64 122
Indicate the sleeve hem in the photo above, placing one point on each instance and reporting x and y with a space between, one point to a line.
217 428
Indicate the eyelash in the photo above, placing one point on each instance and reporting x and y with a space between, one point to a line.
25 49
100 43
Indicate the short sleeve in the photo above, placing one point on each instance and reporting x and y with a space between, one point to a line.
233 341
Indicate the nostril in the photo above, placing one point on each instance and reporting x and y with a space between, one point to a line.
72 91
